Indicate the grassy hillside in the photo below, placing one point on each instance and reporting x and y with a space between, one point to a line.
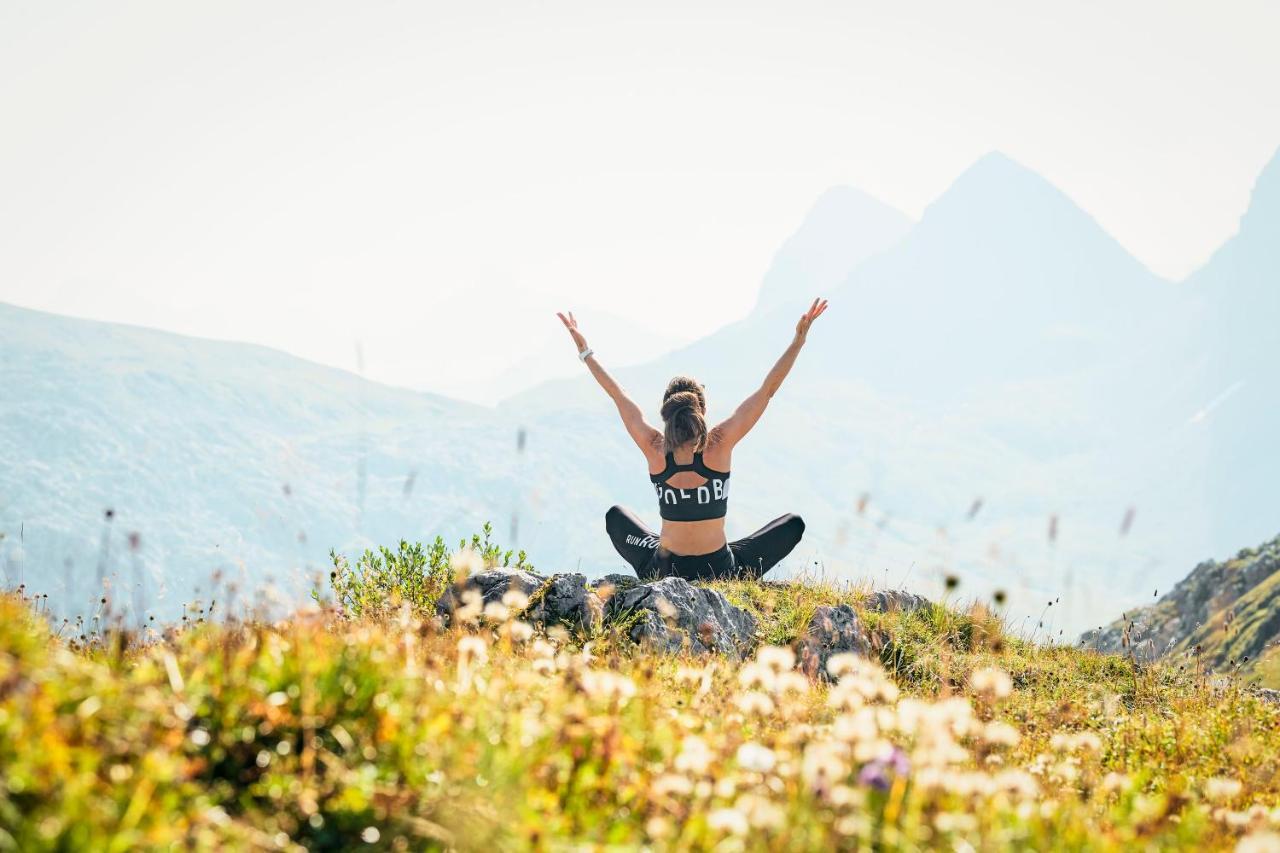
1224 617
388 731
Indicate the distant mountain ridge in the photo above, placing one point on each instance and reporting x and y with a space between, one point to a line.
1239 385
990 394
844 227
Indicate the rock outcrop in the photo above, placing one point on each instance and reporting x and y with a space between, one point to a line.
834 629
670 614
889 600
1226 613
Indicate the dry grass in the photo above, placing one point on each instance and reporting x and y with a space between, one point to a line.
326 732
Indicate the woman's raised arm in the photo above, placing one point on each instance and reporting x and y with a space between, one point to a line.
645 436
736 426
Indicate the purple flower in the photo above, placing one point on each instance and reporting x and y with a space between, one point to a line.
880 772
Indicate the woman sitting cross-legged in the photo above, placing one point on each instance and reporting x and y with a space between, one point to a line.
689 467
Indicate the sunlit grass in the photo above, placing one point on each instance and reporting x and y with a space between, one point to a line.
329 731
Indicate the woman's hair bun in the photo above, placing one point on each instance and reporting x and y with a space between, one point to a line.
684 409
680 400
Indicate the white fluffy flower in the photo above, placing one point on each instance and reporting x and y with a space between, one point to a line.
756 758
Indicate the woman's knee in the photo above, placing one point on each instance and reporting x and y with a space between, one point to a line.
614 518
795 525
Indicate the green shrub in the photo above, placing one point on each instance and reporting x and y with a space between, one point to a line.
382 581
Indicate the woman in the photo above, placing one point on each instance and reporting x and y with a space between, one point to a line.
689 467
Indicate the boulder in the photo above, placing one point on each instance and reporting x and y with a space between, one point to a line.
492 585
834 629
672 615
565 600
888 600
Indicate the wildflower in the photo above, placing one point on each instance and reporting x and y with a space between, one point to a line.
472 607
465 563
472 648
1114 782
658 827
955 822
1088 742
1259 842
1000 734
777 658
755 702
515 599
791 682
756 758
731 821
542 649
761 812
689 674
838 665
496 611
1019 783
519 630
695 756
822 765
872 750
604 684
672 783
991 682
543 666
755 674
1221 789
880 772
858 726
1082 742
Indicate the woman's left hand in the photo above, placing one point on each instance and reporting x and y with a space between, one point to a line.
815 311
572 325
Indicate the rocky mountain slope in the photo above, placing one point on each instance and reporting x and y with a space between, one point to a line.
1225 615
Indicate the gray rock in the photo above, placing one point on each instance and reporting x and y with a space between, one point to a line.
832 630
617 582
565 600
492 585
671 614
888 600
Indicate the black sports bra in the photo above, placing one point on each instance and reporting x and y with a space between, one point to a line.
694 503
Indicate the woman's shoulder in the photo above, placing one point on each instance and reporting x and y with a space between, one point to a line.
655 454
718 450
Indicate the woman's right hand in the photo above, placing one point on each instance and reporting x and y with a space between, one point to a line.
572 325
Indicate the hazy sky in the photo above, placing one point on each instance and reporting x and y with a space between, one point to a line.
433 179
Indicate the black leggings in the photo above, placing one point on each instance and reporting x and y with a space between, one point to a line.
749 557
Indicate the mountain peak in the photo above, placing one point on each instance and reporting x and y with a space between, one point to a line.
844 227
996 179
998 201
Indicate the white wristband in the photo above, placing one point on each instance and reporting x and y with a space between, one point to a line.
586 354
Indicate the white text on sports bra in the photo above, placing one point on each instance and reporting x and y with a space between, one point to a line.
703 494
